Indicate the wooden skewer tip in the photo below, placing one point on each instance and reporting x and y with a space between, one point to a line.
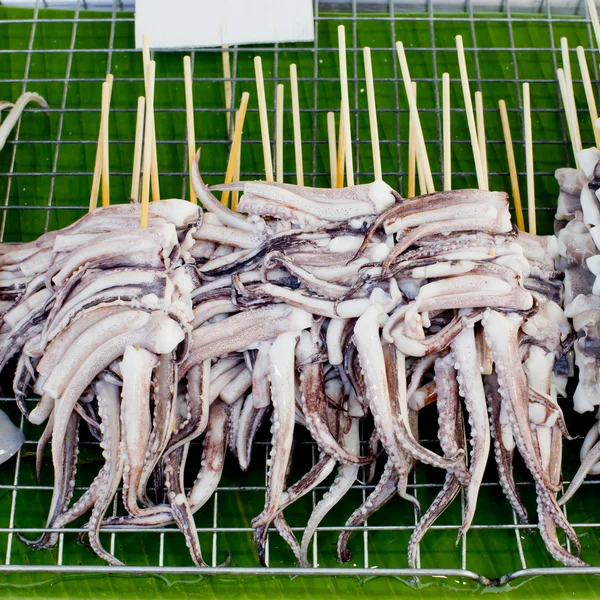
189 119
279 133
234 152
148 144
106 92
341 153
529 159
137 150
372 106
331 138
422 158
589 92
345 116
97 176
264 120
464 78
512 166
227 86
296 125
446 131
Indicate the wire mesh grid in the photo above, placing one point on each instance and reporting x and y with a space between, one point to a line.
30 207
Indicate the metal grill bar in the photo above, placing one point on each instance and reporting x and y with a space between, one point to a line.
475 18
216 523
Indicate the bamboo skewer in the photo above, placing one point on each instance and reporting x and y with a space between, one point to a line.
464 77
189 119
570 95
148 143
345 113
529 159
154 162
481 138
420 164
341 149
137 150
564 51
227 86
98 162
563 92
412 153
145 56
512 166
296 124
414 116
106 93
591 4
264 120
295 113
446 131
372 113
566 60
589 92
238 163
279 134
155 187
331 138
416 164
235 145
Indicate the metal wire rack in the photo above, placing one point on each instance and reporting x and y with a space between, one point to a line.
19 492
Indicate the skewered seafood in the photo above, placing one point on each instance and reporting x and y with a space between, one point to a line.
577 220
327 309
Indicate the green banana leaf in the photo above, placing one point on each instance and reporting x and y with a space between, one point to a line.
45 182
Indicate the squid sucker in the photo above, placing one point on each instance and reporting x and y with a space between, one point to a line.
349 316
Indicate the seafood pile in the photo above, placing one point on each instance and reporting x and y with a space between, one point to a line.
340 311
577 221
11 437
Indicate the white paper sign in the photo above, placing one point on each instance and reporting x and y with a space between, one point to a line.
206 23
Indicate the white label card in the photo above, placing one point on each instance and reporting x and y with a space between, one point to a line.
207 23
